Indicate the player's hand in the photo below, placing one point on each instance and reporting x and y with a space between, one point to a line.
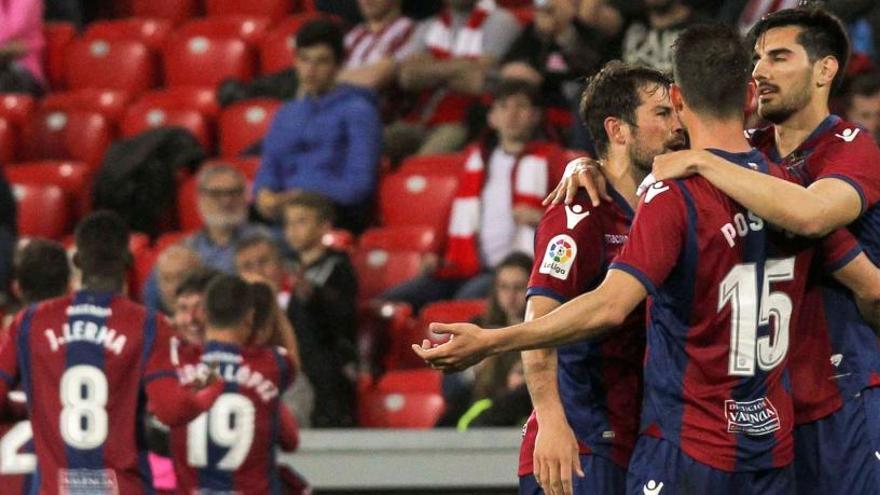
580 173
679 164
468 344
556 457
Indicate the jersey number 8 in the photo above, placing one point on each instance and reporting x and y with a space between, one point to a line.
739 288
84 400
229 424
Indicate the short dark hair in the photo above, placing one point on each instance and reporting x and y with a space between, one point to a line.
318 203
42 270
614 92
228 300
255 239
865 84
712 67
196 282
822 34
516 259
102 244
264 304
322 32
515 87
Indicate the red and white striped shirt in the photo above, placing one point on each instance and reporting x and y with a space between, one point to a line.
365 47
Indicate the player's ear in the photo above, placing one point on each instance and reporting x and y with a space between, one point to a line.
675 97
77 262
614 128
824 71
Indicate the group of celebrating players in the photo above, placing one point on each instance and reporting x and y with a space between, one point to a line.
754 366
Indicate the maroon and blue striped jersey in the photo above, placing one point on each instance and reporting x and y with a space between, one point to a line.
599 380
84 361
836 354
724 292
230 449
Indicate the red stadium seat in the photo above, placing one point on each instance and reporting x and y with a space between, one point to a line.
108 102
74 178
7 141
17 108
449 312
150 31
396 410
203 100
187 205
421 238
378 269
408 381
246 28
175 11
273 9
244 123
141 117
442 164
417 199
169 238
277 49
58 35
42 210
66 135
125 64
247 164
379 324
205 62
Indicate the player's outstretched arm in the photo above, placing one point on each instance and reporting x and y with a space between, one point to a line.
556 449
586 316
174 405
812 212
862 277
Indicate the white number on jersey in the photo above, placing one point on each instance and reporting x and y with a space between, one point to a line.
11 460
740 289
83 415
229 424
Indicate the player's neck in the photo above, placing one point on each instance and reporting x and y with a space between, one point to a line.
797 128
623 175
723 134
102 284
224 335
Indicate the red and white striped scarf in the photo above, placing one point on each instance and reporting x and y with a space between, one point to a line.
530 176
467 42
756 9
365 47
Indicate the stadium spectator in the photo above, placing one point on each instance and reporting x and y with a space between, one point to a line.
258 256
327 140
322 308
21 46
498 202
173 265
456 52
473 390
189 306
553 51
863 102
41 271
375 49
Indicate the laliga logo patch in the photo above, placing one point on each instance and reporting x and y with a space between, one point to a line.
559 257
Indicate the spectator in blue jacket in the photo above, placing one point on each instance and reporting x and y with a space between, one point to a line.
327 140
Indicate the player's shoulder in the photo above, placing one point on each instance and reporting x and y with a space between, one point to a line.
846 138
669 192
576 219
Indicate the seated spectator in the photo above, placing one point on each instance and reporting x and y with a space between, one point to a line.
222 204
327 140
554 51
863 102
456 51
189 305
478 394
498 202
21 47
375 48
173 265
322 309
258 256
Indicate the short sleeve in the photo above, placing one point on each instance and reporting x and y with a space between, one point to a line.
157 348
856 162
657 235
569 252
837 249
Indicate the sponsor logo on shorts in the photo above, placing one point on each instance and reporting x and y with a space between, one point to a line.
652 487
559 257
757 417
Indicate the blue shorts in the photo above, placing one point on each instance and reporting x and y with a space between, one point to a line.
841 453
601 476
659 467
